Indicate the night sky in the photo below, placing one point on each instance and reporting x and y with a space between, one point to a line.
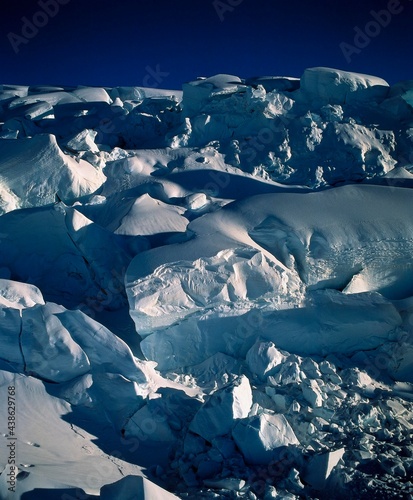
165 43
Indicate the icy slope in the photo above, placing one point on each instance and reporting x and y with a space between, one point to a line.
207 292
34 172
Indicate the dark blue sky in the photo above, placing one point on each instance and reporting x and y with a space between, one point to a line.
108 43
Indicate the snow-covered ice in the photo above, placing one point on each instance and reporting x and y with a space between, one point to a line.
207 292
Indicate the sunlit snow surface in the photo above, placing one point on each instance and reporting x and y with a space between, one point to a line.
207 293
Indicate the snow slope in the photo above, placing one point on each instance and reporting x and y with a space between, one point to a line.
207 292
34 171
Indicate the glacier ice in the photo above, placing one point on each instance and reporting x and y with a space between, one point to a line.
216 417
260 437
207 292
339 87
35 171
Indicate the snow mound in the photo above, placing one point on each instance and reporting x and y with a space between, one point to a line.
19 295
33 172
197 93
134 488
148 216
339 87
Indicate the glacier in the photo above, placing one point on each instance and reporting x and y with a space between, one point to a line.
207 292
